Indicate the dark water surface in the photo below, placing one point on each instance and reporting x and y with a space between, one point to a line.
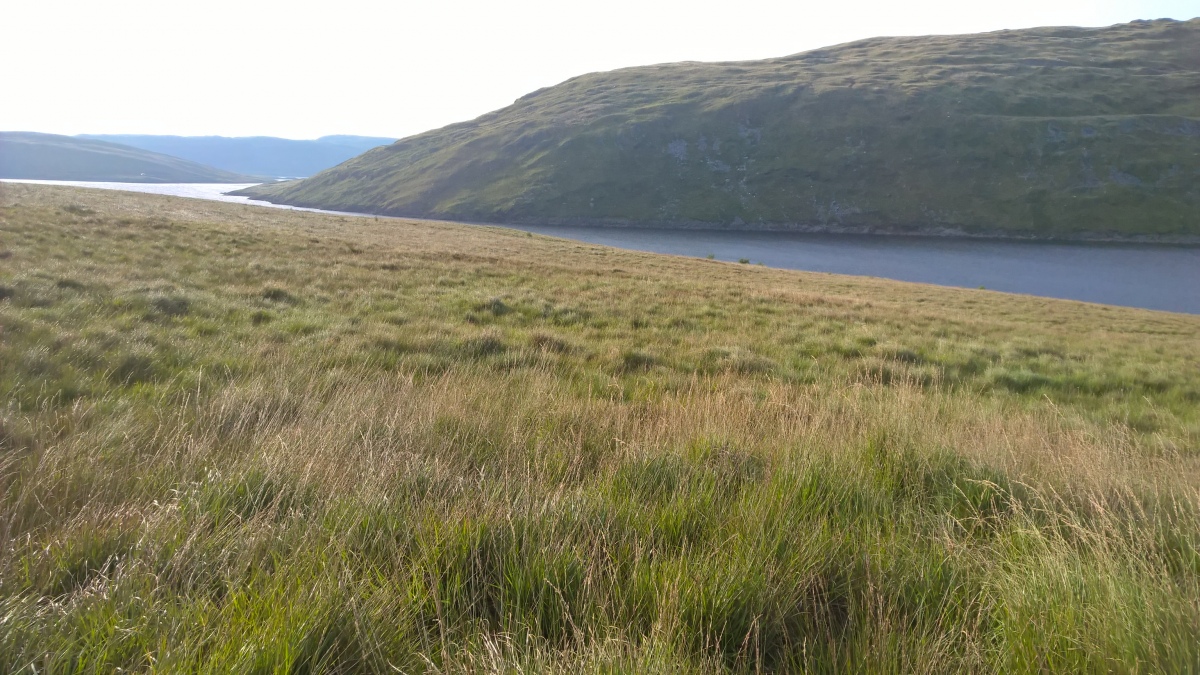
1137 275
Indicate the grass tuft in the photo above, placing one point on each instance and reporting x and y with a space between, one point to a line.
679 467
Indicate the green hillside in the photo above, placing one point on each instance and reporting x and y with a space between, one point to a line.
53 157
1065 132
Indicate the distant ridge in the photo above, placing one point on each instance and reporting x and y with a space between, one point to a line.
256 155
38 156
1047 132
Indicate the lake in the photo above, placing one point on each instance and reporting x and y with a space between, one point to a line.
1137 275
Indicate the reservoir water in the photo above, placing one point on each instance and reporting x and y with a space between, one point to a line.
1137 275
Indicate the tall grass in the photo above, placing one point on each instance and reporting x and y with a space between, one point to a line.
430 448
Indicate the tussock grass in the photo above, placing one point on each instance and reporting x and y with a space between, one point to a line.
246 441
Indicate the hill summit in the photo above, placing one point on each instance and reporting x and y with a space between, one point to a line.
1048 132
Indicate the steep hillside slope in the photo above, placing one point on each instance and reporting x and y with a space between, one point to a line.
1065 132
257 155
53 157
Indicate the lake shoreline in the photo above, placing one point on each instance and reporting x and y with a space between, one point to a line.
942 232
1147 274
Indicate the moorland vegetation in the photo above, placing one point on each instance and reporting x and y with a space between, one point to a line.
236 439
1071 133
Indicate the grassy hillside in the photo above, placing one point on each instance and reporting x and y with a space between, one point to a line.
249 440
53 157
1053 132
255 155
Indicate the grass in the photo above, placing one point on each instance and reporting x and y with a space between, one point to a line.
243 440
1066 133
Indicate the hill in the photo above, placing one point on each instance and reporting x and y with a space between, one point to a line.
1050 132
255 155
236 439
52 157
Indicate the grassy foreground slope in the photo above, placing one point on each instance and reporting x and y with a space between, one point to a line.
247 440
1050 132
52 157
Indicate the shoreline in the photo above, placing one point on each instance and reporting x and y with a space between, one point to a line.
940 232
1011 266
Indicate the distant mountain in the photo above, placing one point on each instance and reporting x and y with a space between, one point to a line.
53 157
1047 132
257 155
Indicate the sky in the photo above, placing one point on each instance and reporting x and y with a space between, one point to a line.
303 69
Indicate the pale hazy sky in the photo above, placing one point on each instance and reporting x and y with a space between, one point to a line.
303 69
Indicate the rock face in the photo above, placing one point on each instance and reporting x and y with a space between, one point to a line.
1053 132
